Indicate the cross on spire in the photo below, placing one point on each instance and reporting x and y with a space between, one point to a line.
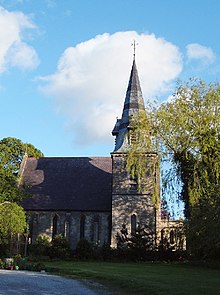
134 44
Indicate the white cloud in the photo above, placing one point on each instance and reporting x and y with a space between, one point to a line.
90 83
200 52
13 50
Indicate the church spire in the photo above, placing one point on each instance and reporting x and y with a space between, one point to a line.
134 45
133 104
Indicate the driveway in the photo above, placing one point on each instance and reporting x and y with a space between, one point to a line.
35 283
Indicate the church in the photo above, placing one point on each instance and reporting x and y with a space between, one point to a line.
92 197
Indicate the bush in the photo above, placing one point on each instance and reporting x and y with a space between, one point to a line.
106 252
41 247
84 249
60 247
39 266
1 264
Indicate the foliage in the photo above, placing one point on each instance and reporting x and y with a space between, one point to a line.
12 219
102 252
189 127
39 266
142 158
1 264
186 131
41 247
60 247
172 243
139 245
12 151
106 252
57 248
9 190
143 239
12 222
84 249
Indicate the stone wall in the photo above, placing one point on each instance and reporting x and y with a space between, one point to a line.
93 226
171 232
128 201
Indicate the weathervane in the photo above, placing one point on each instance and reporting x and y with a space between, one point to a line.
134 44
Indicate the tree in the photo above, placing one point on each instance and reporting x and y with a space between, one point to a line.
143 132
12 216
186 130
12 222
9 190
138 245
189 128
12 151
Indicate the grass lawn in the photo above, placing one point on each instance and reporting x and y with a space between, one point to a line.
145 278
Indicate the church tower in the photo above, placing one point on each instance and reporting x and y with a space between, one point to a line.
129 205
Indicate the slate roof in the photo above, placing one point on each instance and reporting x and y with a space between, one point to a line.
79 183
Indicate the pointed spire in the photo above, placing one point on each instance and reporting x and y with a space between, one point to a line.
133 104
134 100
134 44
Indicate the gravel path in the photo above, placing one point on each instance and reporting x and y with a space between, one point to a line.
35 283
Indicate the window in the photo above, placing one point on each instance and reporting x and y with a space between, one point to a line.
133 223
109 228
162 236
172 237
31 226
67 230
132 137
54 229
133 183
82 226
96 230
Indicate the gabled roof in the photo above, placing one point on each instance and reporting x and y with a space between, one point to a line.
133 104
79 183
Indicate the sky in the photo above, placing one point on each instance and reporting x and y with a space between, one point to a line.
65 64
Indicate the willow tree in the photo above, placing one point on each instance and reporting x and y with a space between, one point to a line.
141 132
187 128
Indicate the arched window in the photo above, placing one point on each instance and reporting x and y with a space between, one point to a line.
172 237
133 184
96 226
109 228
55 222
30 222
133 223
82 226
162 236
66 229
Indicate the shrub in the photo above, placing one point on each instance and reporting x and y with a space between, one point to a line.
60 247
39 266
84 249
1 264
106 252
41 247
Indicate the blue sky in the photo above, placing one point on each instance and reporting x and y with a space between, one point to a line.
65 64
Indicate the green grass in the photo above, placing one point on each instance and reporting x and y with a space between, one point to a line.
145 278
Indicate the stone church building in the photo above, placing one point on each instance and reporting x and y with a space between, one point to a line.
91 197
